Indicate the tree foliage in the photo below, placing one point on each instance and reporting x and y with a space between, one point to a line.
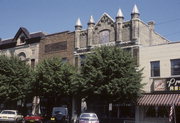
15 79
111 73
56 78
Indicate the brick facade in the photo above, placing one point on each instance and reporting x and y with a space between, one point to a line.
57 45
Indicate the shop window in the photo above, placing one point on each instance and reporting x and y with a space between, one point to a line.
123 112
104 36
175 67
157 111
155 68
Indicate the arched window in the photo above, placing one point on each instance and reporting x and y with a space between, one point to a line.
22 56
104 36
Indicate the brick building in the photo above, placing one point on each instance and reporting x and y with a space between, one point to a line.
57 45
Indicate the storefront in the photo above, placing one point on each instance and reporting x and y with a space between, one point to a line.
162 105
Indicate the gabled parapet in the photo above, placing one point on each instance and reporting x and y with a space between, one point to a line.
107 31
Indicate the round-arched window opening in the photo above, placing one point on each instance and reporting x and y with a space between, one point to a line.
104 36
22 56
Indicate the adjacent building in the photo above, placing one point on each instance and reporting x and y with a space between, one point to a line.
161 64
24 45
59 45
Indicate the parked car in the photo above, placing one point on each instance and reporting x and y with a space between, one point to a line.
88 118
34 119
60 114
10 116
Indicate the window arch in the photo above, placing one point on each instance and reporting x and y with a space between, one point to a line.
22 56
104 36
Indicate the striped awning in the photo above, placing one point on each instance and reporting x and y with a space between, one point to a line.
159 100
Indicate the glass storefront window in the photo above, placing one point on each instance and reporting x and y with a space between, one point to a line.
156 111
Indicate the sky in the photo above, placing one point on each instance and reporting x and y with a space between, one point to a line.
53 16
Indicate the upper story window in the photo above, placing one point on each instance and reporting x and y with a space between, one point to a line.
175 67
104 36
155 68
22 39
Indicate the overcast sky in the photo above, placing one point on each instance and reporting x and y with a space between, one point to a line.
54 16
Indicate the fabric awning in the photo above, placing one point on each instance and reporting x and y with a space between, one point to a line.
159 100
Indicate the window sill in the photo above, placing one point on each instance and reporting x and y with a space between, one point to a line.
175 76
155 77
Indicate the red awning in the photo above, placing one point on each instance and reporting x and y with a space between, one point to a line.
159 100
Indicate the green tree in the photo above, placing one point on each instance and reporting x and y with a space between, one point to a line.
15 79
56 79
111 74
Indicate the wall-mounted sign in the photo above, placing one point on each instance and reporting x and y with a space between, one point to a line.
168 84
160 85
173 84
56 46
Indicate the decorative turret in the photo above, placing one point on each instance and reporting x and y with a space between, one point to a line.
135 24
135 12
78 28
91 24
119 23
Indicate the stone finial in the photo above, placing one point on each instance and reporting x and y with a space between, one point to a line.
78 22
120 14
135 13
151 25
91 20
135 10
78 25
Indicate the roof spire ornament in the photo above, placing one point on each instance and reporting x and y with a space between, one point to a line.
78 22
135 12
120 14
78 25
91 20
